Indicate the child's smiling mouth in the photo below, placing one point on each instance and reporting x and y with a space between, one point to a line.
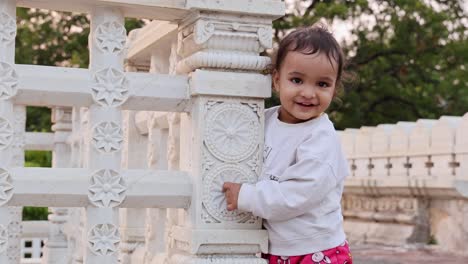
307 104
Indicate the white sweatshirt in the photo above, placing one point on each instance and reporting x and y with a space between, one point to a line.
300 187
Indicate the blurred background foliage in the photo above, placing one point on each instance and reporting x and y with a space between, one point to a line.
409 58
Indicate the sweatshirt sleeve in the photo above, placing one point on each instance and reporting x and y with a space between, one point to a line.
302 185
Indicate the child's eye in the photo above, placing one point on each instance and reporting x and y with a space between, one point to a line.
296 80
323 84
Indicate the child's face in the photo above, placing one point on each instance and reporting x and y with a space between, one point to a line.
306 86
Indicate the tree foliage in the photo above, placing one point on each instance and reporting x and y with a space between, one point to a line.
409 56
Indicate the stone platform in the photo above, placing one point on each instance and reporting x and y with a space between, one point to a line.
376 254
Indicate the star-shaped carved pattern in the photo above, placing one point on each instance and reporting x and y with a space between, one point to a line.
3 239
110 37
107 137
107 188
6 187
110 87
6 133
104 239
8 81
7 27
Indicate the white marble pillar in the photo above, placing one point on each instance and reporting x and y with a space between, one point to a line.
132 220
56 248
11 136
222 137
156 219
104 140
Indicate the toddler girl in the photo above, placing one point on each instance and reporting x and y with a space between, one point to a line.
300 188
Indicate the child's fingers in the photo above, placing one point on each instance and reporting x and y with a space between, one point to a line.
226 186
230 207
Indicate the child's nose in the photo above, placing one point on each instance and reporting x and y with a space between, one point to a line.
309 92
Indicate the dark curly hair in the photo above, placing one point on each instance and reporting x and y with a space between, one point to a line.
311 40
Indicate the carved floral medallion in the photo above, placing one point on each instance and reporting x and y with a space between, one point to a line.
107 137
8 81
104 239
232 131
107 188
110 87
110 37
6 187
213 196
7 28
3 239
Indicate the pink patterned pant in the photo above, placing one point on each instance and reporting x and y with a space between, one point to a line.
338 255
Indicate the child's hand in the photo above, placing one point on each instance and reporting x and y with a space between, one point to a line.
231 191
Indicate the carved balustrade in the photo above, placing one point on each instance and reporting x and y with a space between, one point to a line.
205 70
407 183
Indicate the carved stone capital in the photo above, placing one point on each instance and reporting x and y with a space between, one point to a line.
224 42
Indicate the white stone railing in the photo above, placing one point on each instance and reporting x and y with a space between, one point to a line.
409 182
33 237
106 186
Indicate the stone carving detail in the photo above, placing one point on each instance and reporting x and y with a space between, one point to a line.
223 60
14 230
104 239
254 163
203 31
207 218
107 188
6 187
110 37
251 220
232 132
213 196
108 137
6 133
110 87
265 36
3 239
7 28
208 161
394 209
8 81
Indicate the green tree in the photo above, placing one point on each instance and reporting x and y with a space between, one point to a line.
410 57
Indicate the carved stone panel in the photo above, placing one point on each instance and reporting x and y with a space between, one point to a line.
213 196
232 131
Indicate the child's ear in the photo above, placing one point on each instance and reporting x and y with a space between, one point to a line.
275 78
